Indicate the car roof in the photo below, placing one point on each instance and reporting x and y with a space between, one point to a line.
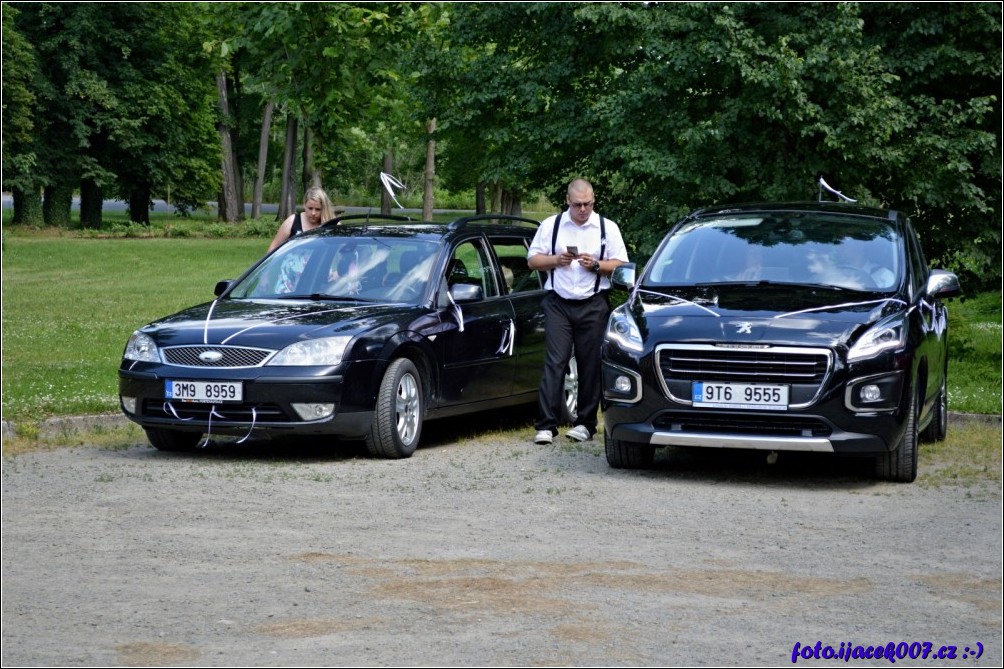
368 225
843 208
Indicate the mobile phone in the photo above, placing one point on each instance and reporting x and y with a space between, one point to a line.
574 250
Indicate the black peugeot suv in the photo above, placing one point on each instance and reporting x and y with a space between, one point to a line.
781 327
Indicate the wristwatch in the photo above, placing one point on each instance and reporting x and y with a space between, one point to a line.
596 266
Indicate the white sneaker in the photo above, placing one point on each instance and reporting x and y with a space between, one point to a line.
543 437
579 433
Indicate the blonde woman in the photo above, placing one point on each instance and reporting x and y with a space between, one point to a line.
317 209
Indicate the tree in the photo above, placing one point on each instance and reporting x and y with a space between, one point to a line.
123 102
19 122
945 165
668 106
231 205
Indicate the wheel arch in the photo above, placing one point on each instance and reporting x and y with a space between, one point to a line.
417 349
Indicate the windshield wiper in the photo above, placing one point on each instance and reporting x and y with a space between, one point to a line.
323 296
766 282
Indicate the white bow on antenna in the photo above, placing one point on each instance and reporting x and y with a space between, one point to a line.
389 184
823 184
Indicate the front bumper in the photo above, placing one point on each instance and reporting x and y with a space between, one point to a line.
827 425
268 400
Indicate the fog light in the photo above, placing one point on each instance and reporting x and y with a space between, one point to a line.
129 404
314 411
622 384
871 393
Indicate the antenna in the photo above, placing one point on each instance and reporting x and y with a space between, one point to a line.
824 185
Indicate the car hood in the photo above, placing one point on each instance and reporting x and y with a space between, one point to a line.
273 323
780 315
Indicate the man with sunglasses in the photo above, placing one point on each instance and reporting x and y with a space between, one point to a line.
577 249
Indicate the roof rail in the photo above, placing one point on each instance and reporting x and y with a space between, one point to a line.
366 218
462 222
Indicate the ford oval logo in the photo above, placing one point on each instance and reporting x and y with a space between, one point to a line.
210 356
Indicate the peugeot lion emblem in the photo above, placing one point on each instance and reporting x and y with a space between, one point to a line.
210 356
744 328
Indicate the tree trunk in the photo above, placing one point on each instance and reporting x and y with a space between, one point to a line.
496 196
139 204
428 188
311 177
511 203
91 201
57 205
479 198
287 204
385 196
27 207
231 208
259 181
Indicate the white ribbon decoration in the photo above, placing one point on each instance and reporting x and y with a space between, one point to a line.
389 184
823 184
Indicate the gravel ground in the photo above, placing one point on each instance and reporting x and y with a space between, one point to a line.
484 550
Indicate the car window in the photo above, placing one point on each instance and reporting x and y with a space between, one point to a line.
470 264
918 262
516 273
847 252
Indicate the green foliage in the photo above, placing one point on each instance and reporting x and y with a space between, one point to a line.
943 165
19 100
124 99
670 106
664 106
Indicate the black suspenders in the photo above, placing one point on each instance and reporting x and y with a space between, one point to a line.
603 246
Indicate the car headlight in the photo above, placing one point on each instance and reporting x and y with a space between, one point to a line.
141 347
622 329
324 351
884 336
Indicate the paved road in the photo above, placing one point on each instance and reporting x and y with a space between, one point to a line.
485 550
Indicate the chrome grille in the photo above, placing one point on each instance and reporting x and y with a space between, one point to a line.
709 363
804 370
232 356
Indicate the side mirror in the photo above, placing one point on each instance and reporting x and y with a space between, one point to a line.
222 286
942 284
623 277
466 292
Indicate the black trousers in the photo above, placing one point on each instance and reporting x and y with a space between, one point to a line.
570 325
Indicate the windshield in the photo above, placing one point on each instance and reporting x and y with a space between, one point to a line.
796 248
378 269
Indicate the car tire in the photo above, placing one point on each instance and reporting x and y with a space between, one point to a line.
626 454
900 464
937 429
397 417
173 440
570 392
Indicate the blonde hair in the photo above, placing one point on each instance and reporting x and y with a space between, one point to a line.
318 195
